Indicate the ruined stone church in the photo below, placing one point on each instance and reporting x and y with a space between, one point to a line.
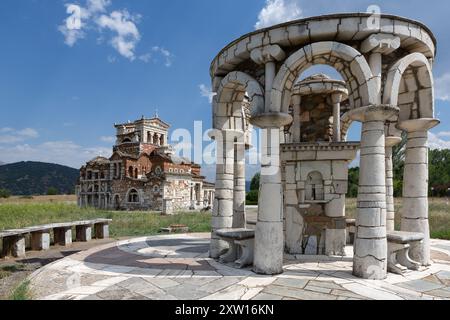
143 173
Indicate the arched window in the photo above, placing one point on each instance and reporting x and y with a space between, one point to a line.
126 140
315 187
158 170
136 173
156 189
155 138
161 140
133 196
130 172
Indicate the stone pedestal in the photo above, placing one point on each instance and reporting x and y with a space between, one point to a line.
370 248
415 185
222 216
63 236
390 207
83 233
14 246
40 240
101 231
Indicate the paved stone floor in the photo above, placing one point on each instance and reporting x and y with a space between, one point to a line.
178 267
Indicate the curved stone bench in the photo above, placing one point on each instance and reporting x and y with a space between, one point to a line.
241 243
399 244
14 239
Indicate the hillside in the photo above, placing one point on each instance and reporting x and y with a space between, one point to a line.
35 178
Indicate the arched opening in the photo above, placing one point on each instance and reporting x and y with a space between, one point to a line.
126 140
161 140
136 173
347 61
133 196
314 187
130 171
155 139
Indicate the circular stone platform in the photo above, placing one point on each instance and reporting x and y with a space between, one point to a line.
178 267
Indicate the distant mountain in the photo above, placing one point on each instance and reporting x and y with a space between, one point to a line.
35 178
2 163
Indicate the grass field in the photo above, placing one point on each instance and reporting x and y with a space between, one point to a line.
18 212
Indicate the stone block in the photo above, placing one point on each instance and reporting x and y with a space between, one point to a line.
336 207
294 231
83 233
14 246
40 240
63 236
369 217
335 241
371 247
101 230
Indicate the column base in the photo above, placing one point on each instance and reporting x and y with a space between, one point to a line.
268 258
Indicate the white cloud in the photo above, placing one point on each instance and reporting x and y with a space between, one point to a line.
166 55
10 135
155 55
444 134
124 26
61 152
78 20
146 57
435 142
278 11
206 92
442 87
108 139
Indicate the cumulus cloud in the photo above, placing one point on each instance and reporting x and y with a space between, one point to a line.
442 87
206 92
435 141
11 135
73 27
123 25
278 11
119 28
62 152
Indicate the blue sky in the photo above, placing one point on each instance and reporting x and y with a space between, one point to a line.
61 93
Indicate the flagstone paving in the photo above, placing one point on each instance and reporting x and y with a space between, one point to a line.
173 267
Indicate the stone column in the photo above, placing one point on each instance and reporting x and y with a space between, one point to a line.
239 185
296 125
269 237
370 248
336 98
415 185
222 216
390 206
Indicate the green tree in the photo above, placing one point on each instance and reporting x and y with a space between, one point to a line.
252 198
5 193
52 191
254 184
353 181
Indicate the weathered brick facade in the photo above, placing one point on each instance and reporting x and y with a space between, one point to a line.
143 174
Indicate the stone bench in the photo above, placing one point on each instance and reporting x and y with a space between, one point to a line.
399 243
14 243
241 243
